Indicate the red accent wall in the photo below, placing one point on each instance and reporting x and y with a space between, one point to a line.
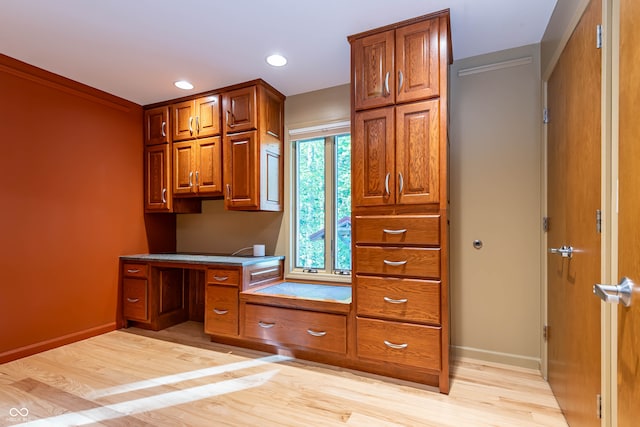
71 202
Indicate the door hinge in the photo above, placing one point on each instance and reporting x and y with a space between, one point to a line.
599 36
599 406
545 332
545 224
599 221
545 116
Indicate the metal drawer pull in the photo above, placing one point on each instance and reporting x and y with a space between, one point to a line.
266 325
164 195
216 311
316 333
164 126
260 273
386 84
133 270
395 301
400 183
395 346
134 300
190 179
394 263
386 183
221 278
404 230
190 127
273 134
401 79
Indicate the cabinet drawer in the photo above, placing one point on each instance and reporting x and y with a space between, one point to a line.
409 300
320 331
221 310
223 277
135 270
399 343
398 261
134 295
398 229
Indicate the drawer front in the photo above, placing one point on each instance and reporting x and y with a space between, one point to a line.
398 229
135 270
221 310
320 331
399 343
397 261
223 277
408 300
134 304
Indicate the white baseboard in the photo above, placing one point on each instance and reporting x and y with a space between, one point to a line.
496 357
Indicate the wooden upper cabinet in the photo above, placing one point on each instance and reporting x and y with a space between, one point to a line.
373 158
417 61
240 112
240 164
196 118
197 167
156 126
373 70
397 65
157 179
418 152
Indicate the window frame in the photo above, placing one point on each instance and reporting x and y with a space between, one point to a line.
326 130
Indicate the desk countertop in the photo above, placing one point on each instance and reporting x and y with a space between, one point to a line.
201 259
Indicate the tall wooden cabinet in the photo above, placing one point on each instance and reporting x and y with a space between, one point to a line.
399 199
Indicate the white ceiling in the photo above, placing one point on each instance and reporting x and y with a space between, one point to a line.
136 49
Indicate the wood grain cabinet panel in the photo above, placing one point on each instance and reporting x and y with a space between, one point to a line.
158 194
240 113
397 229
398 261
407 300
399 343
197 167
374 74
223 277
196 118
135 300
156 126
283 326
221 310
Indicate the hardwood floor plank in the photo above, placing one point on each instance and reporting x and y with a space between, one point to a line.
141 378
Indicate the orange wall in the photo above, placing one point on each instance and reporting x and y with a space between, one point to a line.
71 169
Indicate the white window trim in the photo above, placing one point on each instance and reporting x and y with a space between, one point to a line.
323 129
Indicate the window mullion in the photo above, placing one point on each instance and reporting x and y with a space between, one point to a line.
329 203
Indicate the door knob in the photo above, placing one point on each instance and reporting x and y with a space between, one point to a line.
616 294
564 251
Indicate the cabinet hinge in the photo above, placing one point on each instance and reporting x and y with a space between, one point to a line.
545 332
599 221
599 406
599 36
545 224
545 115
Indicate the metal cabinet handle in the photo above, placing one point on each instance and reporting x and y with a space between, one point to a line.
396 301
266 325
198 124
616 294
197 176
133 270
395 346
164 126
221 278
386 183
133 300
400 183
400 81
221 312
228 192
164 195
190 179
190 127
386 230
273 134
316 333
387 92
230 123
395 263
564 251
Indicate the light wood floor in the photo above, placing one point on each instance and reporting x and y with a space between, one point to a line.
126 378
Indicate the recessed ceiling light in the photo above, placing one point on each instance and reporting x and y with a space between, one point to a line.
276 60
183 84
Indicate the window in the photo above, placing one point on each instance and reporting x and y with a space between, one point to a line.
321 223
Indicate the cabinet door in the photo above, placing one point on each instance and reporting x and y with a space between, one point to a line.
156 122
221 310
373 177
240 110
157 179
184 162
207 111
183 117
417 61
271 112
418 152
208 177
135 299
373 70
240 171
